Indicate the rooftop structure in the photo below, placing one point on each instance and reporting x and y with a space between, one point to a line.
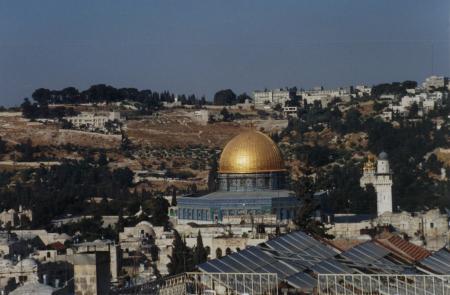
300 262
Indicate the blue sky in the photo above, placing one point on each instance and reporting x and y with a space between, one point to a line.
204 46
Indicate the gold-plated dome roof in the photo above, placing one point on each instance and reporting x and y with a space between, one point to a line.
251 152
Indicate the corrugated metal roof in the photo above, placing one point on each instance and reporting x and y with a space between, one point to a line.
438 262
287 255
404 248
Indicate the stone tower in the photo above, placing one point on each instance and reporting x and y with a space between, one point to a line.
380 176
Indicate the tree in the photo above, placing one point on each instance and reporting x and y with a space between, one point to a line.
174 196
42 96
125 142
29 110
154 252
353 120
226 115
2 146
200 253
379 106
120 225
213 175
243 97
433 164
102 159
181 259
159 208
123 176
26 150
304 219
225 97
278 107
414 110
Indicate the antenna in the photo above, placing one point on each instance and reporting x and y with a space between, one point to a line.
432 58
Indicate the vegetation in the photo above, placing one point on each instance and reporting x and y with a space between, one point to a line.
305 215
181 259
106 93
225 97
395 88
213 175
200 253
407 144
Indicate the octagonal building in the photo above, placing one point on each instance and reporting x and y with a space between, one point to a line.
252 186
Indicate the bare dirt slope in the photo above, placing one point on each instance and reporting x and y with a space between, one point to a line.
16 130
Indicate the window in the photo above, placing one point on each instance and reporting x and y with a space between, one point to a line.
431 225
218 253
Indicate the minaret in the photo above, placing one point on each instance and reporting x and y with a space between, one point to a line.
381 179
383 184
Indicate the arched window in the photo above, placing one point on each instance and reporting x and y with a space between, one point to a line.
227 251
208 250
238 249
218 253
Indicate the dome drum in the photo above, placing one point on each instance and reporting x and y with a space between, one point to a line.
239 182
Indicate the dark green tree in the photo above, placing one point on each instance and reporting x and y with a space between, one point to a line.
102 159
225 97
242 97
159 208
174 196
181 259
213 175
2 146
226 115
305 221
26 150
200 253
414 110
125 143
42 96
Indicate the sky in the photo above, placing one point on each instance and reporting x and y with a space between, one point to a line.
201 47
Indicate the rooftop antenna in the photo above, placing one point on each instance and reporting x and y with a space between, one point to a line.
432 58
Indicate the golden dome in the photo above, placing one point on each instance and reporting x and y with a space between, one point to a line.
251 152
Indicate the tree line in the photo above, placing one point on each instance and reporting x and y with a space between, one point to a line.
106 93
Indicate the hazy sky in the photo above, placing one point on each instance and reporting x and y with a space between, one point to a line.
203 46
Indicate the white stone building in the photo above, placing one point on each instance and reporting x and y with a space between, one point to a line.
102 246
435 82
362 90
324 96
22 271
381 178
425 101
13 218
201 116
93 121
429 228
290 112
272 97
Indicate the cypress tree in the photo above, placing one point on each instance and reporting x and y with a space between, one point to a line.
174 196
200 253
213 174
181 259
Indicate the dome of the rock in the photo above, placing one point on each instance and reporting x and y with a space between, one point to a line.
251 152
